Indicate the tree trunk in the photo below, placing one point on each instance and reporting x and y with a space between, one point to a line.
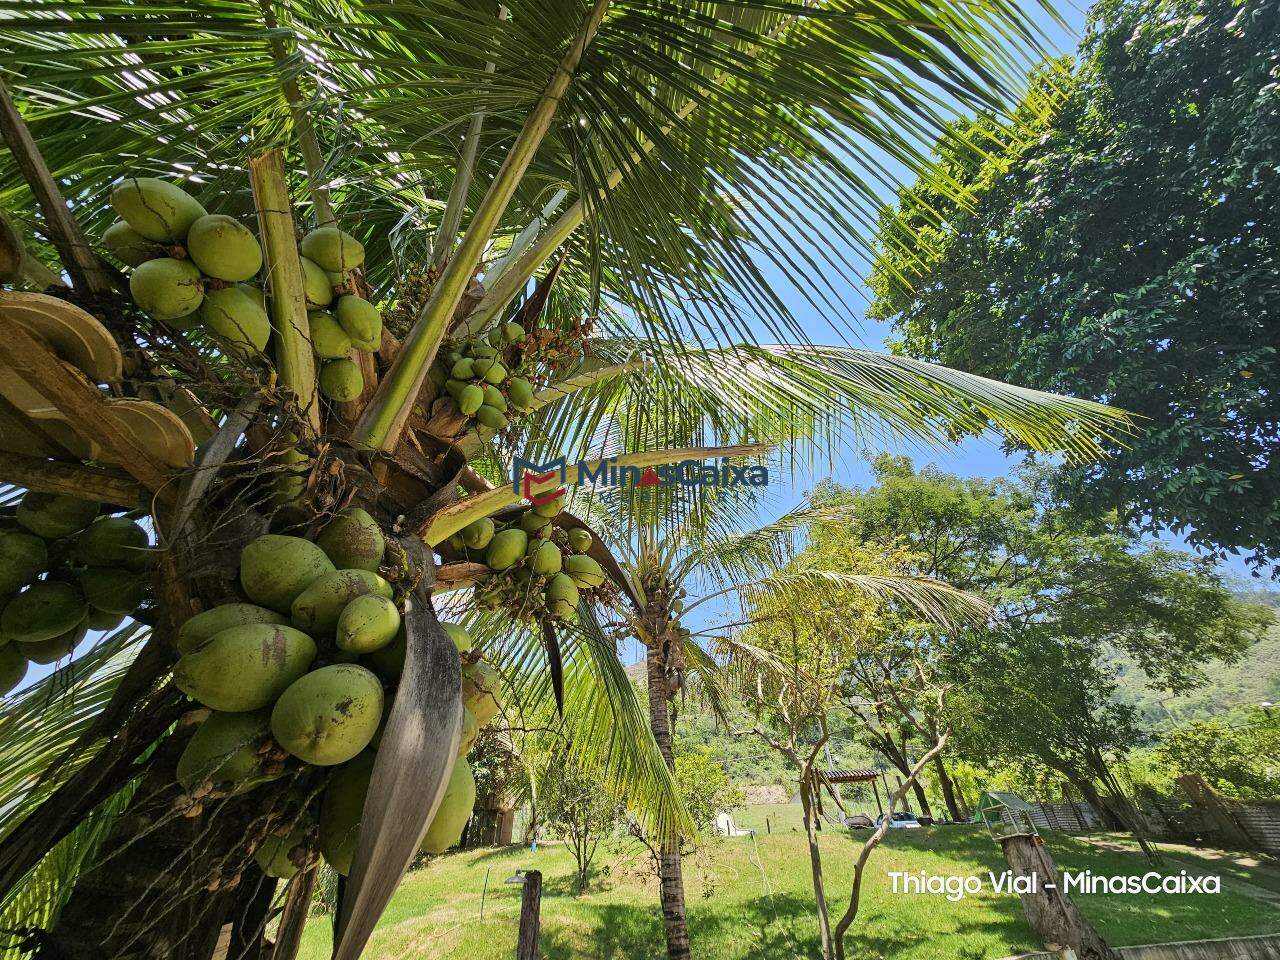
1051 913
1110 818
955 809
815 864
898 757
670 874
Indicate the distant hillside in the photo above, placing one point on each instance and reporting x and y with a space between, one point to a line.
1252 680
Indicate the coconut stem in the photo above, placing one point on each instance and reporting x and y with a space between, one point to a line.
291 329
385 417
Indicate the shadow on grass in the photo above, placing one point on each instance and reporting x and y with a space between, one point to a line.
776 927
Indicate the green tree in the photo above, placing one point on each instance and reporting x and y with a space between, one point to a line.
800 659
1122 244
1236 753
1036 682
573 806
704 786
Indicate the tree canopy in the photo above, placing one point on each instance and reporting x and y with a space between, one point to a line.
1122 243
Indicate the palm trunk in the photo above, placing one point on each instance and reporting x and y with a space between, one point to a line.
670 873
815 862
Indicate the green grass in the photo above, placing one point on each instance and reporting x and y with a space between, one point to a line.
734 916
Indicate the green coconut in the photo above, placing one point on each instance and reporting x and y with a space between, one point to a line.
470 730
256 294
458 634
551 508
235 318
388 662
491 370
245 668
353 541
341 807
580 540
562 596
361 320
481 685
167 289
223 247
583 571
54 649
274 569
46 609
53 515
103 621
316 287
341 380
318 607
367 623
13 668
328 339
332 249
156 209
129 246
476 535
283 856
463 369
454 811
493 397
114 590
113 541
204 625
491 417
531 523
329 715
506 548
544 557
225 751
470 399
480 350
512 332
23 557
520 393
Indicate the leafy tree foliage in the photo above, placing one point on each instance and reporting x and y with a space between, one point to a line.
574 806
1236 754
1036 683
704 786
1124 244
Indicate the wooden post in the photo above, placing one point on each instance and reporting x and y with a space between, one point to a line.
1051 913
530 903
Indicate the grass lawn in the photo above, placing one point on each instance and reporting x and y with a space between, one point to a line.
753 901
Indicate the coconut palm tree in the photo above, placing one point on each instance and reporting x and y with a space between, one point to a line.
644 163
682 547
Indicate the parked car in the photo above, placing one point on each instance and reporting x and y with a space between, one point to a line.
859 821
902 820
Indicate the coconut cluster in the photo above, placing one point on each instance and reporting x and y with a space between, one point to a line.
190 267
65 569
341 322
539 569
475 373
303 672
